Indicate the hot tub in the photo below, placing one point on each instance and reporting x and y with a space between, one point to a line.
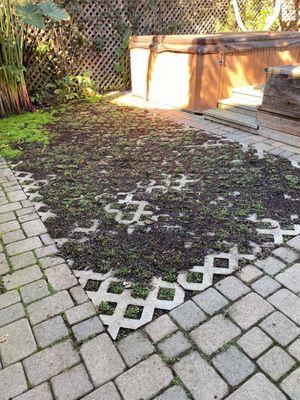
193 72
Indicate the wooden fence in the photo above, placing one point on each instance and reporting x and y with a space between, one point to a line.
96 38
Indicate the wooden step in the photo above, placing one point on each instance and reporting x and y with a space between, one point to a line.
240 121
249 91
241 105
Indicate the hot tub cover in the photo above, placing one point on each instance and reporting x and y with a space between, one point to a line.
214 43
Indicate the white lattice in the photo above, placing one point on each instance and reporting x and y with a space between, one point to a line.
31 188
138 217
132 213
275 230
208 269
117 320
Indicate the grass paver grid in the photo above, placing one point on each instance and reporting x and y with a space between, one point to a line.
51 370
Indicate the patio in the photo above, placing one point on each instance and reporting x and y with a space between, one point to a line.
150 200
238 339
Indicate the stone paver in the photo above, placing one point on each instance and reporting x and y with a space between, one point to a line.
290 278
233 365
49 306
72 384
135 347
34 228
23 260
9 216
10 207
22 277
16 195
291 385
210 301
249 273
188 315
214 334
270 265
200 378
174 345
257 388
9 298
4 267
286 254
23 245
46 251
12 381
294 243
160 328
79 313
47 363
254 342
78 294
249 310
41 392
34 291
47 262
276 363
288 303
232 287
13 236
173 393
280 328
145 380
87 328
266 286
294 349
9 226
101 359
19 344
11 314
50 331
60 277
106 392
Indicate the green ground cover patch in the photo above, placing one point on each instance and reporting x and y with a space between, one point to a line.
16 130
162 196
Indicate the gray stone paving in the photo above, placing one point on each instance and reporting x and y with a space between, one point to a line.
236 340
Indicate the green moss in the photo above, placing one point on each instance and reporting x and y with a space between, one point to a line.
166 294
27 127
140 290
133 312
116 288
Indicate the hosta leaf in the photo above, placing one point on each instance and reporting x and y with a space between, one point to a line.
30 14
52 11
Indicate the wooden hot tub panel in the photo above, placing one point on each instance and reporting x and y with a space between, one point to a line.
193 72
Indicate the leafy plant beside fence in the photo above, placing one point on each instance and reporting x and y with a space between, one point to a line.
16 18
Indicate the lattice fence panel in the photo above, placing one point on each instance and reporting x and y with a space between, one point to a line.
93 40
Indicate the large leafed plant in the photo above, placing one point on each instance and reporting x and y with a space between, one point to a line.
16 16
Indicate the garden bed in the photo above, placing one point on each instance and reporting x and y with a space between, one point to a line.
149 198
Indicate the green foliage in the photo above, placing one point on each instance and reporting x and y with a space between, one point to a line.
254 15
140 290
15 16
122 65
27 127
75 87
133 312
230 23
106 308
34 14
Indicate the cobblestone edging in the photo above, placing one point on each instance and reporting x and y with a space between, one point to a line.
238 339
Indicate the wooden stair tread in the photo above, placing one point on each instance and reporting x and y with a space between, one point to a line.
242 102
236 118
253 91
